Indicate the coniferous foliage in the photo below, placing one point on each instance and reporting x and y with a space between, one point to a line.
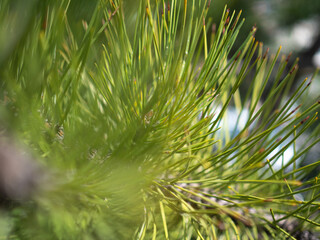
143 122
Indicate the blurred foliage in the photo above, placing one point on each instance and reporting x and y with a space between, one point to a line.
292 11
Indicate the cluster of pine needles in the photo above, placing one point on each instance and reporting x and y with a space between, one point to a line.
146 123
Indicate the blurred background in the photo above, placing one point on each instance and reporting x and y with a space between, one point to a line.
294 24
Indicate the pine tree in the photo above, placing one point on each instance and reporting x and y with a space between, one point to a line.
143 122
